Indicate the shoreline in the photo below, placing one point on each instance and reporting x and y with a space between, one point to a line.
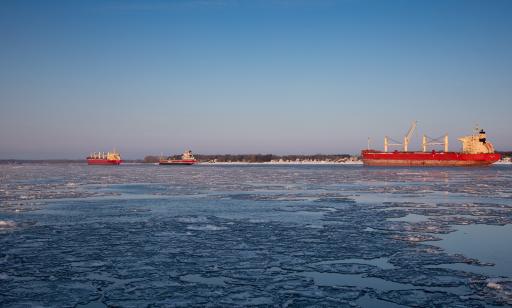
206 163
284 163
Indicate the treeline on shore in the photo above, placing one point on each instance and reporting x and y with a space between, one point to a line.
256 158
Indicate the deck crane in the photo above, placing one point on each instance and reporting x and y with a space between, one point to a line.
427 141
409 134
405 143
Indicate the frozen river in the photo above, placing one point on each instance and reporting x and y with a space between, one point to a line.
138 235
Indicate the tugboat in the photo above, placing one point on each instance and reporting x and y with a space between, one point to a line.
102 158
186 159
476 151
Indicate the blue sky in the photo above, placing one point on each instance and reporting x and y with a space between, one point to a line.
249 76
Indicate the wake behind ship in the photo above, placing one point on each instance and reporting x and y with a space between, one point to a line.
102 158
476 151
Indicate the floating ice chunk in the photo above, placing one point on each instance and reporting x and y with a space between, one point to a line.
430 277
498 290
428 255
410 218
494 285
327 209
344 268
90 263
5 224
194 278
314 226
206 227
336 199
257 221
424 298
416 238
191 220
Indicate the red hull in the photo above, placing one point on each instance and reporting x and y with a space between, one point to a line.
95 161
436 159
178 162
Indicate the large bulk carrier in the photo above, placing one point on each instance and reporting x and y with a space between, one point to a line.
102 158
476 151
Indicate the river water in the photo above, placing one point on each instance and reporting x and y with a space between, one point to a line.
269 235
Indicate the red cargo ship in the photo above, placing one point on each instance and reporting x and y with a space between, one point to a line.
101 158
186 159
476 151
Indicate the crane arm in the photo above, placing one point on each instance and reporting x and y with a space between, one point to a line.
411 130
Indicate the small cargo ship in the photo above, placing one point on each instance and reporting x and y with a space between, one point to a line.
102 158
476 151
186 159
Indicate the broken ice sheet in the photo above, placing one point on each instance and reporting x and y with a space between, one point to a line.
142 235
496 291
425 298
428 277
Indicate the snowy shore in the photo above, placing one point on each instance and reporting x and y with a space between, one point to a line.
286 163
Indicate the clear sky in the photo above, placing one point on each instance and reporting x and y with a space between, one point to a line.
262 76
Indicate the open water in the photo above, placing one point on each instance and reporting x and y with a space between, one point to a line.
297 236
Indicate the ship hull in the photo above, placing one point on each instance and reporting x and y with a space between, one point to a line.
93 161
427 159
178 162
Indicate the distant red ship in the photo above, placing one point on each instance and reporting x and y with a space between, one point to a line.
101 158
476 151
186 159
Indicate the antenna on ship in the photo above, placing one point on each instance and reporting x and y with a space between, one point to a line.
477 128
368 143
